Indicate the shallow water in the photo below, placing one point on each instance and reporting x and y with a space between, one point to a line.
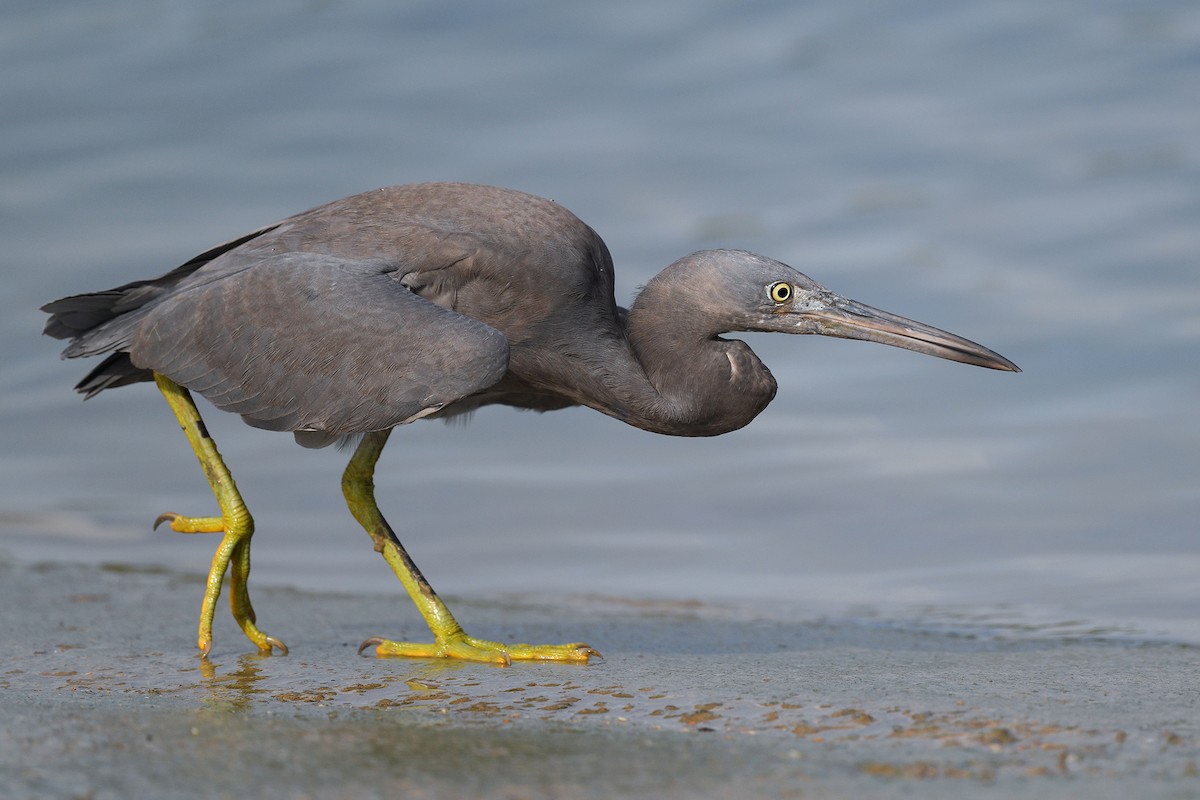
1025 175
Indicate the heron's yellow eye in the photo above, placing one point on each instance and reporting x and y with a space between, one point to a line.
780 291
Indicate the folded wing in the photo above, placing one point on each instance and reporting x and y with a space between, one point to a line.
320 345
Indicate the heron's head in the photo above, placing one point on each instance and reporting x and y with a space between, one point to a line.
749 292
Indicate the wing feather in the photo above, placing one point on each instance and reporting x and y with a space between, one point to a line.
312 343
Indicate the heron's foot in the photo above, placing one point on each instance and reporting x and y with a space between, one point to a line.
268 647
233 557
469 648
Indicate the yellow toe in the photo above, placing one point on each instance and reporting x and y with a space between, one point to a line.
468 648
182 524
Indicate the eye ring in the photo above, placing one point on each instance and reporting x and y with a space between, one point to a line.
780 291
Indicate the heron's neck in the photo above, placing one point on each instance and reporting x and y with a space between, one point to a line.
671 373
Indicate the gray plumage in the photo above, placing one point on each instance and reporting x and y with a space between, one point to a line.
435 299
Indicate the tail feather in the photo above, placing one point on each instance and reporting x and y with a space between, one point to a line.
77 314
103 322
116 370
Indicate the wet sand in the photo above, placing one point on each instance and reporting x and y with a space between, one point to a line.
104 697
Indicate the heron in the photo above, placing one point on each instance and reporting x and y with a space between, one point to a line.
428 301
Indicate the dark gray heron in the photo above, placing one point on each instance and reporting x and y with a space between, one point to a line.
429 301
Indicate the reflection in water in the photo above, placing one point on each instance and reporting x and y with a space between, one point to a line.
236 689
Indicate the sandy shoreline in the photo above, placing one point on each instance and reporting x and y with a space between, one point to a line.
104 697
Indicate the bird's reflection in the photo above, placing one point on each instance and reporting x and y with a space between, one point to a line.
233 689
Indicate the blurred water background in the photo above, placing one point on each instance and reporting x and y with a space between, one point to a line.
1025 174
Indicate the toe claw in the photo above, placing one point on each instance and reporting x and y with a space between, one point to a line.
273 643
374 640
169 516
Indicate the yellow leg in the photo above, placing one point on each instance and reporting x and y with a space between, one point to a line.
235 522
449 639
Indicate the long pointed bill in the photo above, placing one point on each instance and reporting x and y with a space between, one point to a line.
848 319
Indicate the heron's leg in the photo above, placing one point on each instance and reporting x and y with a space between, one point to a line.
449 639
235 522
